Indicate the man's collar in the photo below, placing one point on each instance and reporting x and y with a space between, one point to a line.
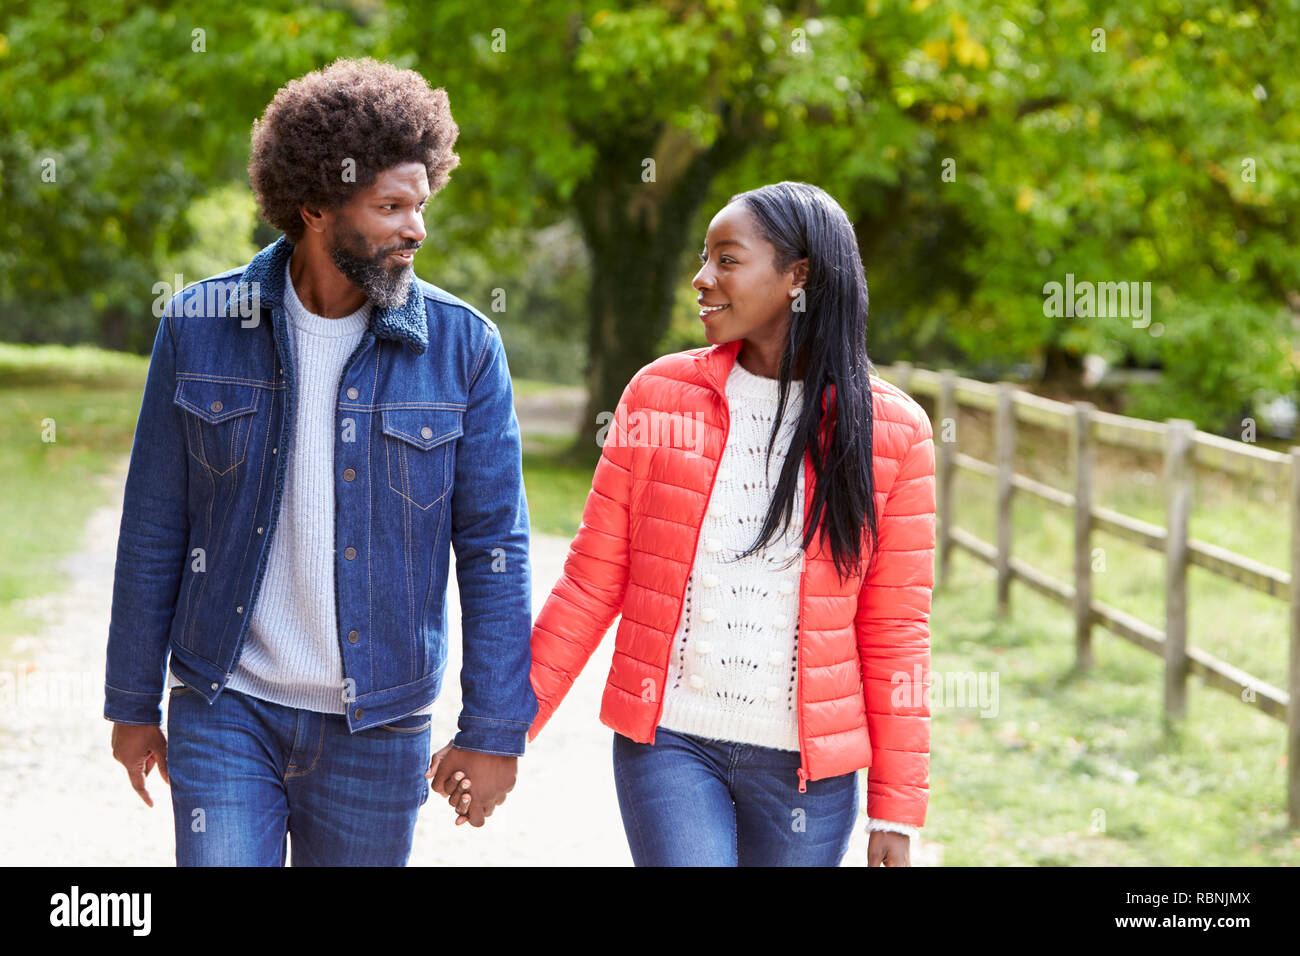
265 275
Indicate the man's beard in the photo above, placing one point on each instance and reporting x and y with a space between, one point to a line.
384 284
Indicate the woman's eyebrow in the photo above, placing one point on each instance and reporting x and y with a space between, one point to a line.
726 242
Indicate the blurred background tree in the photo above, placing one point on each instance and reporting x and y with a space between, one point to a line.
982 149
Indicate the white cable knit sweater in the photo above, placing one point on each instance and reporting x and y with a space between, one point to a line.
733 673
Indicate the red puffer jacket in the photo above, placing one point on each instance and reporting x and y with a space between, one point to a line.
864 653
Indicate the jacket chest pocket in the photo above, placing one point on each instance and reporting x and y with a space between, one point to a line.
419 452
218 419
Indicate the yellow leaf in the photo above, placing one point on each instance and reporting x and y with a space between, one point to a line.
936 50
1025 199
970 52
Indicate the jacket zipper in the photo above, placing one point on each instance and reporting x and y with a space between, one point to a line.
799 676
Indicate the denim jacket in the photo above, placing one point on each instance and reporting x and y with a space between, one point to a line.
426 455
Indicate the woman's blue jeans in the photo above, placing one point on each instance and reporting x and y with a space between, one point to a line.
246 773
688 801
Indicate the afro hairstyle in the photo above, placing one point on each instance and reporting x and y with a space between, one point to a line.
372 113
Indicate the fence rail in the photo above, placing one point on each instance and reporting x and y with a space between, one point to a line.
1183 448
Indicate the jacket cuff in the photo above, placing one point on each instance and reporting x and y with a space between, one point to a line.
132 707
487 735
905 828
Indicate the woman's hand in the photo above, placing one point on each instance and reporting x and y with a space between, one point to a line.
886 848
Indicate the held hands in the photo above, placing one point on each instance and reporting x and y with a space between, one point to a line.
452 771
887 848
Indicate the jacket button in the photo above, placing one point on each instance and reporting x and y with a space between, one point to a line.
358 713
353 393
710 580
723 474
713 545
426 432
214 685
697 681
275 449
708 614
704 648
216 406
771 693
349 553
781 621
240 609
775 659
353 637
349 474
787 587
259 529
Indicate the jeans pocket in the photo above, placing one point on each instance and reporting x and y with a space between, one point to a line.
412 724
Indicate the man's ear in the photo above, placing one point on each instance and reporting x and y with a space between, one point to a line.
313 217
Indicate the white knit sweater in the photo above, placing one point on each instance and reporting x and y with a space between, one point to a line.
291 651
733 670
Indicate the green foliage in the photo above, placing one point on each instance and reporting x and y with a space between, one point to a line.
1170 158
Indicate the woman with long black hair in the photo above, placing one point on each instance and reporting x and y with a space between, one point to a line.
762 516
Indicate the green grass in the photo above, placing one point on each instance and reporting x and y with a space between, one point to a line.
85 399
557 486
1076 768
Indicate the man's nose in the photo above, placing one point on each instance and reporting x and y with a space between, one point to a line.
414 230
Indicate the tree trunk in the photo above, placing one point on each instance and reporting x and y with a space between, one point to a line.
635 232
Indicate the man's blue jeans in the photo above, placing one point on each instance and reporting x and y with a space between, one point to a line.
688 801
245 773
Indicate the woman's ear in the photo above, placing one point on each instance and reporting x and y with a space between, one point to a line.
800 273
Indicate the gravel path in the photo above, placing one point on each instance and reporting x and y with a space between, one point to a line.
66 801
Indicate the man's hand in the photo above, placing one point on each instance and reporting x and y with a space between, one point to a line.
493 775
887 848
138 748
460 792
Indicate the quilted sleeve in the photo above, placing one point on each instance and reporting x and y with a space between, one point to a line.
893 632
589 595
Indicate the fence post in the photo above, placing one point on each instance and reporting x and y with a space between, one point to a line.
1082 460
946 432
1293 679
1178 495
903 372
1006 451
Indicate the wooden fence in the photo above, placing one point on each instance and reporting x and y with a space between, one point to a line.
1183 446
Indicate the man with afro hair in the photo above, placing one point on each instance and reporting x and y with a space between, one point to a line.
319 428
